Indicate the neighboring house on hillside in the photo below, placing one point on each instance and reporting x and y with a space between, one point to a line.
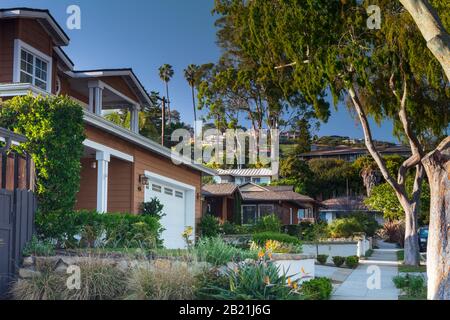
242 176
120 168
351 154
247 203
343 207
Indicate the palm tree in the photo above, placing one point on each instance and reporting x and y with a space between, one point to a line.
190 73
166 74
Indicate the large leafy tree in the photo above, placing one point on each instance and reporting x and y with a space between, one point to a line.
240 86
387 73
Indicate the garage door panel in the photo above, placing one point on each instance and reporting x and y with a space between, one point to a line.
174 220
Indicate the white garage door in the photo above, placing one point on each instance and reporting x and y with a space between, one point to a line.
176 213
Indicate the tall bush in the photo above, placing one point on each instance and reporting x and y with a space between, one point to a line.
209 226
55 131
269 223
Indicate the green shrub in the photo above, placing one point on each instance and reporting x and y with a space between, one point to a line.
368 222
38 247
292 230
317 289
254 281
269 223
356 223
218 253
207 283
263 237
322 258
209 226
153 208
338 261
352 262
345 227
230 228
55 130
110 230
412 286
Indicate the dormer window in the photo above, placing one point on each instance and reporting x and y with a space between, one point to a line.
33 70
32 66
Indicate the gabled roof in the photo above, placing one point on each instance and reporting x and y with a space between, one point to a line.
276 196
100 122
128 73
253 192
221 189
346 204
263 172
45 19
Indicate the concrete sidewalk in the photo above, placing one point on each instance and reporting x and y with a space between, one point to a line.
355 287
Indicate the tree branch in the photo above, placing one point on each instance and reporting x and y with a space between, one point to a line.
432 29
418 181
371 146
416 148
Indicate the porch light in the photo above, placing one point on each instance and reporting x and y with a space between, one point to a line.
144 180
94 164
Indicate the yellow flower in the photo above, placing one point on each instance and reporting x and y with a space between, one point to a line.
295 285
261 254
267 280
269 255
289 282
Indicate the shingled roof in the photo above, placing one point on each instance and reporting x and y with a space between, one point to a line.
275 196
346 203
221 189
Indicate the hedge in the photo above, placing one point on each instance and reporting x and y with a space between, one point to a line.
72 229
263 237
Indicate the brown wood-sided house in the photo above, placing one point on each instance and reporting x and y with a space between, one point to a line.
247 203
120 168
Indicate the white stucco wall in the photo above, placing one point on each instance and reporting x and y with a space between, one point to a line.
302 270
332 250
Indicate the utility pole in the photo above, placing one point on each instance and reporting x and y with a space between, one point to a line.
163 119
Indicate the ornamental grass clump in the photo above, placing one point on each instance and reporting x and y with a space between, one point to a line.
98 281
164 280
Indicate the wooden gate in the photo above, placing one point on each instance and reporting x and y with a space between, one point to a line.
17 207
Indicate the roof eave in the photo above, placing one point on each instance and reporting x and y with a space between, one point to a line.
61 38
137 139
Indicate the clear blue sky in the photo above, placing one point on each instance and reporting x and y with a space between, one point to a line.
144 34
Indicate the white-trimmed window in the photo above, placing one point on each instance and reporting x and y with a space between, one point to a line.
32 66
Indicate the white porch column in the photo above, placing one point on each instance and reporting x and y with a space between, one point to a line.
103 159
134 119
96 96
91 99
98 101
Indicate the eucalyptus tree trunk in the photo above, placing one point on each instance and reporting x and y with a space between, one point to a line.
437 166
432 29
412 256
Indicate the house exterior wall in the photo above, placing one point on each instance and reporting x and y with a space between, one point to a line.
7 35
33 34
124 181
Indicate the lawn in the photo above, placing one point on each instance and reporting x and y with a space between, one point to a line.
408 269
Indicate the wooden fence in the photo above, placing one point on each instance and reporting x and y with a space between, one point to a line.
17 207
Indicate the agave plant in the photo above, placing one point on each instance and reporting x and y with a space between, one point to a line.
259 280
